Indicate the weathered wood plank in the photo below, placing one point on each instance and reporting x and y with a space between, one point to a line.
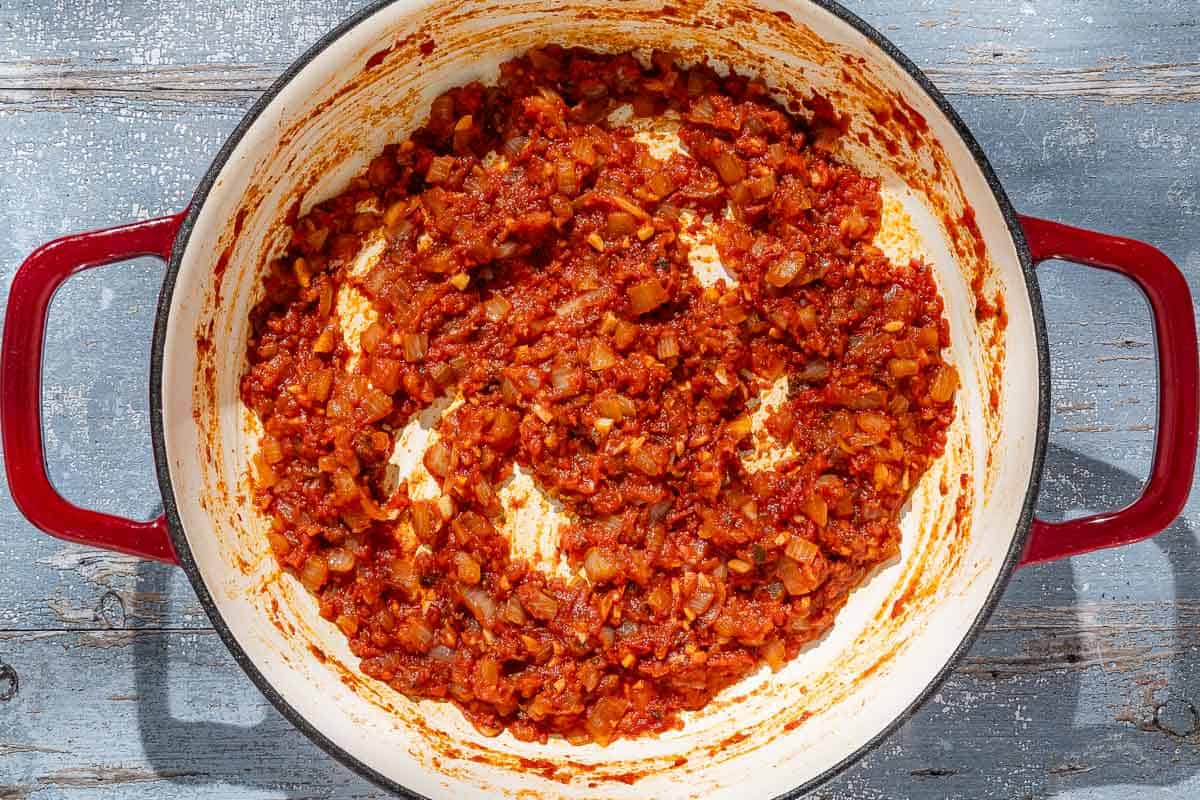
1136 52
237 85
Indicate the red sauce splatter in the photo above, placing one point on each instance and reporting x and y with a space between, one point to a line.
377 58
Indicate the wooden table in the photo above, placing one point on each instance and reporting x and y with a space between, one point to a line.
1083 686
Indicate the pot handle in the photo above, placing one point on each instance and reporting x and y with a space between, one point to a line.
21 386
1166 491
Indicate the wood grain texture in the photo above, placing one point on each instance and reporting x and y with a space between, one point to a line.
1085 683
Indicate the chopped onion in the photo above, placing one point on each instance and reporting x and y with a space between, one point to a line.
325 303
865 400
375 406
348 625
616 407
625 333
603 718
325 342
566 379
514 612
464 131
814 371
485 493
344 487
944 383
425 520
314 573
503 428
487 673
508 391
385 374
442 373
817 510
319 384
279 543
628 206
800 549
442 653
481 604
496 308
795 580
701 110
339 560
302 272
905 348
439 169
272 450
829 483
660 184
601 356
740 567
647 295
583 151
740 428
467 569
729 167
668 346
735 313
761 186
853 225
660 598
620 223
513 147
725 626
873 422
883 476
541 605
807 317
650 460
439 262
415 635
775 654
437 459
739 193
415 345
580 302
600 565
404 576
902 367
441 111
567 180
702 596
785 270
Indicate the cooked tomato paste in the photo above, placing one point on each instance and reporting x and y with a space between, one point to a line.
534 264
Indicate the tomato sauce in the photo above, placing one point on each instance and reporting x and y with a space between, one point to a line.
536 265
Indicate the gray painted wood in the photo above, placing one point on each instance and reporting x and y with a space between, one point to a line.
1085 683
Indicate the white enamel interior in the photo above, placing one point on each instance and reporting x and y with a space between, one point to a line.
415 745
